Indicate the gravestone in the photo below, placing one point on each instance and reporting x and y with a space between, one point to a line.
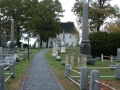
85 47
63 44
4 40
10 58
22 46
51 44
82 60
5 52
69 59
118 53
62 47
74 46
54 52
12 42
58 54
117 58
0 53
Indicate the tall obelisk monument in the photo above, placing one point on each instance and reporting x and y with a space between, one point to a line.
85 47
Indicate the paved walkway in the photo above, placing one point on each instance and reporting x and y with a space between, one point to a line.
40 76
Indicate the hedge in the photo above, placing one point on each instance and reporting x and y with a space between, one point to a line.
104 43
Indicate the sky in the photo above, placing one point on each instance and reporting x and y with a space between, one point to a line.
68 14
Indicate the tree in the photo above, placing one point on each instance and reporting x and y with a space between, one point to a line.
49 14
21 11
39 18
113 26
99 11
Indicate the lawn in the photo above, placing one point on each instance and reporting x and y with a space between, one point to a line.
59 70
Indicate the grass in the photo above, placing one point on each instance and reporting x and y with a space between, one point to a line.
59 70
20 70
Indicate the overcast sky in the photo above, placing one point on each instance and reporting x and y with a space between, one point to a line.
68 14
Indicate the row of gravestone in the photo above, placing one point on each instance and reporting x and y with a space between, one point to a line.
57 49
8 64
81 60
10 57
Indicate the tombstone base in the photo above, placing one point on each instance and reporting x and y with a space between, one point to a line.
53 55
112 67
63 63
12 47
90 61
58 58
85 48
63 52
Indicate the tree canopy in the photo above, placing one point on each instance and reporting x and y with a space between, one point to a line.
98 12
41 18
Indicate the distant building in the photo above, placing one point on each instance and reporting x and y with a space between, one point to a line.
70 36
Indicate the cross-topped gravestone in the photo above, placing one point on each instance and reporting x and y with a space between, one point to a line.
85 47
4 40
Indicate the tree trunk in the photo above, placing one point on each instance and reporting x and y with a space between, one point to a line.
98 28
41 42
47 43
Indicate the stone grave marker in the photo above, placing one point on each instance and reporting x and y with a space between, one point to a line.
69 59
82 60
62 47
67 46
12 42
85 47
0 52
118 53
4 40
54 51
22 48
10 58
58 54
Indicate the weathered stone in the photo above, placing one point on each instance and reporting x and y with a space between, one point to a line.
82 60
69 59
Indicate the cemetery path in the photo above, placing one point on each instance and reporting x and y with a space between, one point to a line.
40 76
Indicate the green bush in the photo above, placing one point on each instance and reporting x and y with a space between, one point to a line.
102 43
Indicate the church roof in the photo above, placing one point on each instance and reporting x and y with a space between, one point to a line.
68 27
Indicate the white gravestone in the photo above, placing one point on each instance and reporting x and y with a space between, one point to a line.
63 47
54 51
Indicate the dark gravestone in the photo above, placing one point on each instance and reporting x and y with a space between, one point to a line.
12 43
4 40
85 47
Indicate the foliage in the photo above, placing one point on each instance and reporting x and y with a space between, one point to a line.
39 18
113 27
50 12
104 43
98 11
